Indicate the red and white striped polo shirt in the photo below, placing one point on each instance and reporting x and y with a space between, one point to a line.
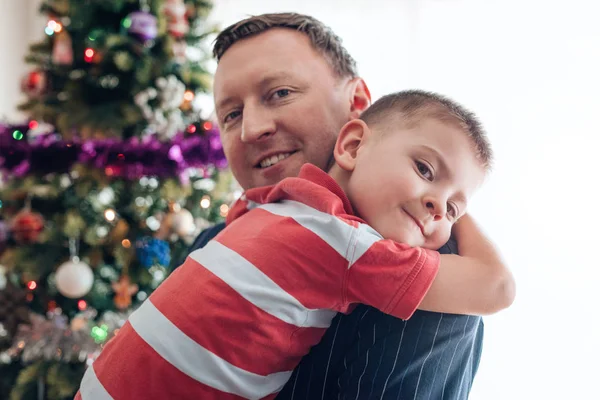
236 318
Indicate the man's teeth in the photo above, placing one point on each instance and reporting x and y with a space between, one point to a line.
267 162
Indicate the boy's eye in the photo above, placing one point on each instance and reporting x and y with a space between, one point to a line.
424 170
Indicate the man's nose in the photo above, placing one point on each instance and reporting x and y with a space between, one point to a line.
257 124
436 206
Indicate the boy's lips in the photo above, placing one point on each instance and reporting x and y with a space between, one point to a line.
417 222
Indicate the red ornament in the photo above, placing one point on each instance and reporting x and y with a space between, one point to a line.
34 84
26 226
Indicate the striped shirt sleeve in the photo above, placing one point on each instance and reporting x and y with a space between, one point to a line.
389 276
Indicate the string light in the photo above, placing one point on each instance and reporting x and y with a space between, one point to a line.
17 135
31 285
126 23
205 202
82 305
207 126
110 215
99 333
191 129
53 27
126 243
224 210
89 54
188 95
33 124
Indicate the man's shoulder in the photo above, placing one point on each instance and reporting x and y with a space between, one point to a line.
369 354
207 235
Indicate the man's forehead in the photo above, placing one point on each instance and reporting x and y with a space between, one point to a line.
277 48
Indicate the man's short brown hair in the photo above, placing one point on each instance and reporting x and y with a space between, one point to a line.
413 106
321 37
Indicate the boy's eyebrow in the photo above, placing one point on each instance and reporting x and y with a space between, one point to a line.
460 196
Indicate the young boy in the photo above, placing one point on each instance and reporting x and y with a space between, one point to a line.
238 316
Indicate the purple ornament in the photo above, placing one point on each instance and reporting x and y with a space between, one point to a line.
129 159
142 25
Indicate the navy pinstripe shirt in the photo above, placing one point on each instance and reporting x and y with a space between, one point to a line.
370 355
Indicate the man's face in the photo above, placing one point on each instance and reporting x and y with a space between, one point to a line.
279 105
411 185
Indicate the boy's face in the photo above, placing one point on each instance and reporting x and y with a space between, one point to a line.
411 185
279 105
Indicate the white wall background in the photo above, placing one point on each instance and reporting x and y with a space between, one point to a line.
530 70
20 25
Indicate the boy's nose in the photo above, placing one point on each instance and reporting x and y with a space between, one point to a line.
435 207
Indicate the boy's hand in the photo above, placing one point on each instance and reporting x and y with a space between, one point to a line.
476 282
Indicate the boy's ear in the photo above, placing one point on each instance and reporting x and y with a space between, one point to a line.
360 97
352 136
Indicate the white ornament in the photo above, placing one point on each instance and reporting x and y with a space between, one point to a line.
183 223
74 279
165 118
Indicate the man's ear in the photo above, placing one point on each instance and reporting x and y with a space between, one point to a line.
352 136
360 97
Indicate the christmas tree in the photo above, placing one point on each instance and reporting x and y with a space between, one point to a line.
105 187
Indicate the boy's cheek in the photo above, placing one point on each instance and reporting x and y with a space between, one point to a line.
439 238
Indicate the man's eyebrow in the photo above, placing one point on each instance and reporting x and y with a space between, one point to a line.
271 78
224 103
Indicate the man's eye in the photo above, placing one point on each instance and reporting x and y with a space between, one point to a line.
282 93
231 115
424 170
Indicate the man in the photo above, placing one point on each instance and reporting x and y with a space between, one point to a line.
283 88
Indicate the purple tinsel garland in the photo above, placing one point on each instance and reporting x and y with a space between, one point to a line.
129 159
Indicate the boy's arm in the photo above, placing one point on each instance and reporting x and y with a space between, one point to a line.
476 282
